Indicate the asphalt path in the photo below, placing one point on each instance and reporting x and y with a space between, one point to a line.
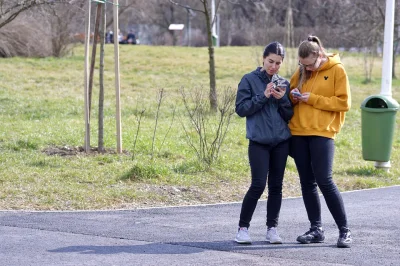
201 235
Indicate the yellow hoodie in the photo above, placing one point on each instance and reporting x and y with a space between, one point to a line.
324 113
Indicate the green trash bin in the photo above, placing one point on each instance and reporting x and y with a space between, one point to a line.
378 119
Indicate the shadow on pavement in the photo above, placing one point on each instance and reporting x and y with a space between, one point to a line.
152 248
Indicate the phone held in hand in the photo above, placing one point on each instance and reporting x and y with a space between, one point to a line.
275 84
278 83
295 93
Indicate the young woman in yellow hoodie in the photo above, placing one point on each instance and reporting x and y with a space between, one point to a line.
320 94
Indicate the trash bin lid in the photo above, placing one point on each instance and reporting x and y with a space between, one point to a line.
380 103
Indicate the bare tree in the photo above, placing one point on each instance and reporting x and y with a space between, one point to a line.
10 9
160 14
289 40
124 7
102 34
149 17
94 51
18 42
20 35
365 25
59 24
209 22
341 23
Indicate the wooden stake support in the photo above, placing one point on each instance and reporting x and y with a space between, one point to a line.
87 77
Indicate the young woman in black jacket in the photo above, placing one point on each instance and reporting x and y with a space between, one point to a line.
263 98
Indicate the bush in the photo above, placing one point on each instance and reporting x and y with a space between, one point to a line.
21 39
22 36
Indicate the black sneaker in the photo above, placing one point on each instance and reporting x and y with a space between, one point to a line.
314 235
345 239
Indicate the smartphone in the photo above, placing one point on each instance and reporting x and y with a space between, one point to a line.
295 93
277 84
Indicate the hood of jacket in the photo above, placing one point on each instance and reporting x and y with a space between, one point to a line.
262 74
333 59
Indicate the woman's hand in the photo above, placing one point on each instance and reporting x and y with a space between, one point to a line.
278 92
298 97
304 97
269 89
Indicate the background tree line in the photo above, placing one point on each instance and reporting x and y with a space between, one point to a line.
47 27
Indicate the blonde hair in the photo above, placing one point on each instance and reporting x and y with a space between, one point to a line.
312 45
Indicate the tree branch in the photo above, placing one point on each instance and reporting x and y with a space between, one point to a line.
9 12
187 7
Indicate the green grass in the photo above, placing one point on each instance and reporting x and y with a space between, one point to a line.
41 106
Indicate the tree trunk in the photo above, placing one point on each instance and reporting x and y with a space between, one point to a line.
213 90
395 46
101 77
173 33
96 34
394 63
86 77
289 41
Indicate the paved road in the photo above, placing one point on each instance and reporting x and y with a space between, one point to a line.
200 235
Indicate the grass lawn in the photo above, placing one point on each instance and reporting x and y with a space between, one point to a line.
41 110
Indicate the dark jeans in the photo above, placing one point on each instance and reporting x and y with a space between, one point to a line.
266 163
313 156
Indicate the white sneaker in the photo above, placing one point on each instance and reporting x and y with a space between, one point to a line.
273 236
243 236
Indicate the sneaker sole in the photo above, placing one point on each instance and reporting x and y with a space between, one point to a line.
343 245
275 242
310 242
242 242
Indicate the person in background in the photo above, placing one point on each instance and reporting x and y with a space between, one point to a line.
109 36
131 38
263 98
121 37
320 93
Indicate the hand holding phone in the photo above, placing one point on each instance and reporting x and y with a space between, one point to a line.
297 94
279 84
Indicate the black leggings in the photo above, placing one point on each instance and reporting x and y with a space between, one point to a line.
313 156
265 161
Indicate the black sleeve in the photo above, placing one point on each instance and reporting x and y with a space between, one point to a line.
246 102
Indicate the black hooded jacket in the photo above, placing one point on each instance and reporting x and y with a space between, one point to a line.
266 118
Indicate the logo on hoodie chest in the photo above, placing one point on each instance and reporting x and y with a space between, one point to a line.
325 77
